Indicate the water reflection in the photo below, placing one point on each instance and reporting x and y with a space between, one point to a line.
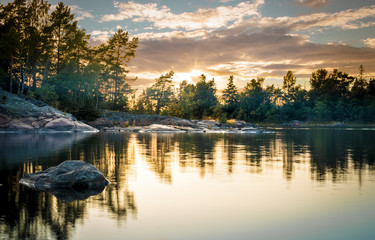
324 154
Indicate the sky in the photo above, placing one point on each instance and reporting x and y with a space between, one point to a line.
246 39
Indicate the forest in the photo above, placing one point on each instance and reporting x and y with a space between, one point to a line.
46 56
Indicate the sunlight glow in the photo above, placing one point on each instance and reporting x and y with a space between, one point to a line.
190 77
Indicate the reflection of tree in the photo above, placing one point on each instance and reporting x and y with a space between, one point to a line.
328 153
230 148
31 214
158 149
197 150
332 150
28 214
111 154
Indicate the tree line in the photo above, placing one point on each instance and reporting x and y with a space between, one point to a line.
46 56
335 96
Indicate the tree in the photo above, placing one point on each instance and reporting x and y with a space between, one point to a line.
61 26
204 98
359 88
119 50
289 82
36 37
230 97
183 104
161 92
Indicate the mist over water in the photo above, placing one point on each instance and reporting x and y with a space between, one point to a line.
294 184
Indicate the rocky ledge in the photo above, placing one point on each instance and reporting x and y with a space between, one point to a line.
21 114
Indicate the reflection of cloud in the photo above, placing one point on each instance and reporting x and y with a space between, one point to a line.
312 3
162 17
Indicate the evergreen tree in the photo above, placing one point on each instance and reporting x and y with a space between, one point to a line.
230 97
119 50
289 82
161 92
204 98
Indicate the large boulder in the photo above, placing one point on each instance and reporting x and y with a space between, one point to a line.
68 175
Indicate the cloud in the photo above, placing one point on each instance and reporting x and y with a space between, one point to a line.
348 19
256 46
162 17
79 13
312 3
245 45
99 37
370 42
247 55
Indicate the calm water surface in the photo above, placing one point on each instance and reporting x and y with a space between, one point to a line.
294 184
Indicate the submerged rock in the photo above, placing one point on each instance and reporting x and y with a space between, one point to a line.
75 175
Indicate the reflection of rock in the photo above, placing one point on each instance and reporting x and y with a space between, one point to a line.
72 194
15 148
67 175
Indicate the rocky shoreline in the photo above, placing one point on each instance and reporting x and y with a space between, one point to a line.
20 114
26 115
143 123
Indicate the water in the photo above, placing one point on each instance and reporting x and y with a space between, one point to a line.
294 184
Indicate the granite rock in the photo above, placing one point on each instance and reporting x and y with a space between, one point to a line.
68 175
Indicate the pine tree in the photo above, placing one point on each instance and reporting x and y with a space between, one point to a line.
230 94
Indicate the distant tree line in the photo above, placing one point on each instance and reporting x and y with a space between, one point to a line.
334 96
45 55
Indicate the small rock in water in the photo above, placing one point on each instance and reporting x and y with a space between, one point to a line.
69 174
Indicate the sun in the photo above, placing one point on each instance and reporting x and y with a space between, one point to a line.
190 77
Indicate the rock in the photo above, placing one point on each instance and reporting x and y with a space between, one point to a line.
124 119
19 125
4 120
68 175
297 123
101 123
22 114
161 128
338 124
